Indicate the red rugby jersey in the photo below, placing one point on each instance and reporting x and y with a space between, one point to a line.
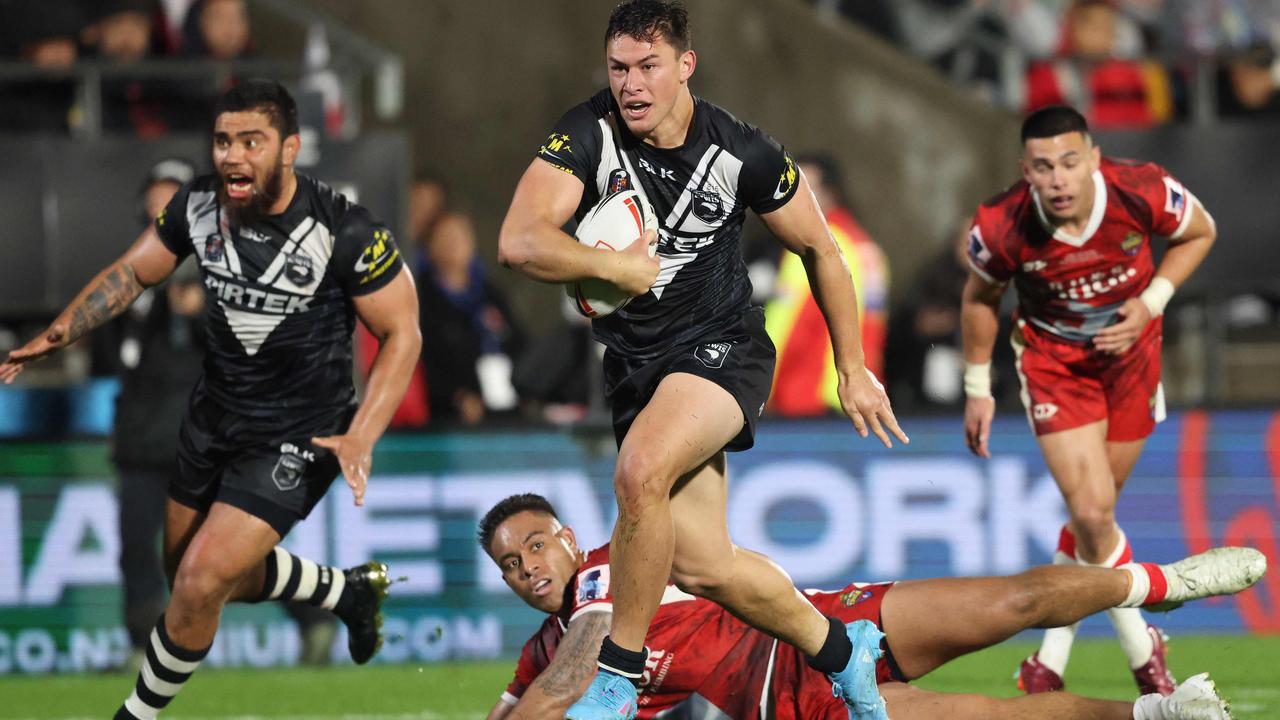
1072 286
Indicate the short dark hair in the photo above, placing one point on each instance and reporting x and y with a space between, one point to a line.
649 20
1053 121
265 96
509 506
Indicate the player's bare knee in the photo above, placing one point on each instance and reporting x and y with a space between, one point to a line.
639 482
201 587
1094 522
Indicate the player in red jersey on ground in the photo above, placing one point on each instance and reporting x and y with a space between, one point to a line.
705 663
1074 237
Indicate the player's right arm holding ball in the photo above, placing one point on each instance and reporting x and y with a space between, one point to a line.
532 242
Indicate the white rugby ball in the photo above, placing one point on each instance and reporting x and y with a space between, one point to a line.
614 223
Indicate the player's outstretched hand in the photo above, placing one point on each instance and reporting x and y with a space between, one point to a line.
978 412
1118 338
46 343
638 270
865 402
355 457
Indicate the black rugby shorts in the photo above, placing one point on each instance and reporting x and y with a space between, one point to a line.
738 358
264 465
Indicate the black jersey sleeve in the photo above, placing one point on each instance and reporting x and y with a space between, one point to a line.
365 256
574 143
171 224
769 177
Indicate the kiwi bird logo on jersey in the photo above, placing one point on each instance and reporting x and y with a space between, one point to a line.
787 181
619 181
593 584
708 206
287 474
297 267
713 354
213 248
1132 242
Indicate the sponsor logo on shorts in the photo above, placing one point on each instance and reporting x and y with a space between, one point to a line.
593 584
292 465
713 354
1043 411
855 596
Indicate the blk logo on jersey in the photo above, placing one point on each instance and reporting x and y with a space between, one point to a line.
661 172
213 251
298 268
593 584
713 354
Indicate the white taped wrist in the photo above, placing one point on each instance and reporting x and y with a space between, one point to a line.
977 380
1157 295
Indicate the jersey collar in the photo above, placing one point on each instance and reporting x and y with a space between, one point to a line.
1095 215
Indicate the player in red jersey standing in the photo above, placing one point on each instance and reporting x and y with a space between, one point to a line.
704 663
1074 237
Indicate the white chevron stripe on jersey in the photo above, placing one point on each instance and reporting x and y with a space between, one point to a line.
250 328
277 263
668 266
229 245
695 180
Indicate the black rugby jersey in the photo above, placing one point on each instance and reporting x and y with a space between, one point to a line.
700 192
279 314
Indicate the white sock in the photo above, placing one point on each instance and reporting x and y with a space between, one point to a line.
1148 707
1130 626
1055 648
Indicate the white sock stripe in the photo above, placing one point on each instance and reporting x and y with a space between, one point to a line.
284 568
169 661
616 671
138 708
335 590
307 585
1139 588
1061 558
156 685
1116 553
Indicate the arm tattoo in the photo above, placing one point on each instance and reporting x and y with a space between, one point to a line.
113 293
575 660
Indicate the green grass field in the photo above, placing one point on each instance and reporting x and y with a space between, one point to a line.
1247 670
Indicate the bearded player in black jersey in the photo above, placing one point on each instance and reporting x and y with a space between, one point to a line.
288 264
688 365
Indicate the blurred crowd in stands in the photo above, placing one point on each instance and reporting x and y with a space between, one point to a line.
1126 63
52 36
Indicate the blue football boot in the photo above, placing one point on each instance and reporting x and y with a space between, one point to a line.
609 697
856 684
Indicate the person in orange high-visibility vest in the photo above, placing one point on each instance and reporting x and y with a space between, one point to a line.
804 383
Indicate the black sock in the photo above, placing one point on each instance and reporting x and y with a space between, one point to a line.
627 663
836 650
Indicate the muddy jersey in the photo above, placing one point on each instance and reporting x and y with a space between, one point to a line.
279 311
699 191
1072 286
